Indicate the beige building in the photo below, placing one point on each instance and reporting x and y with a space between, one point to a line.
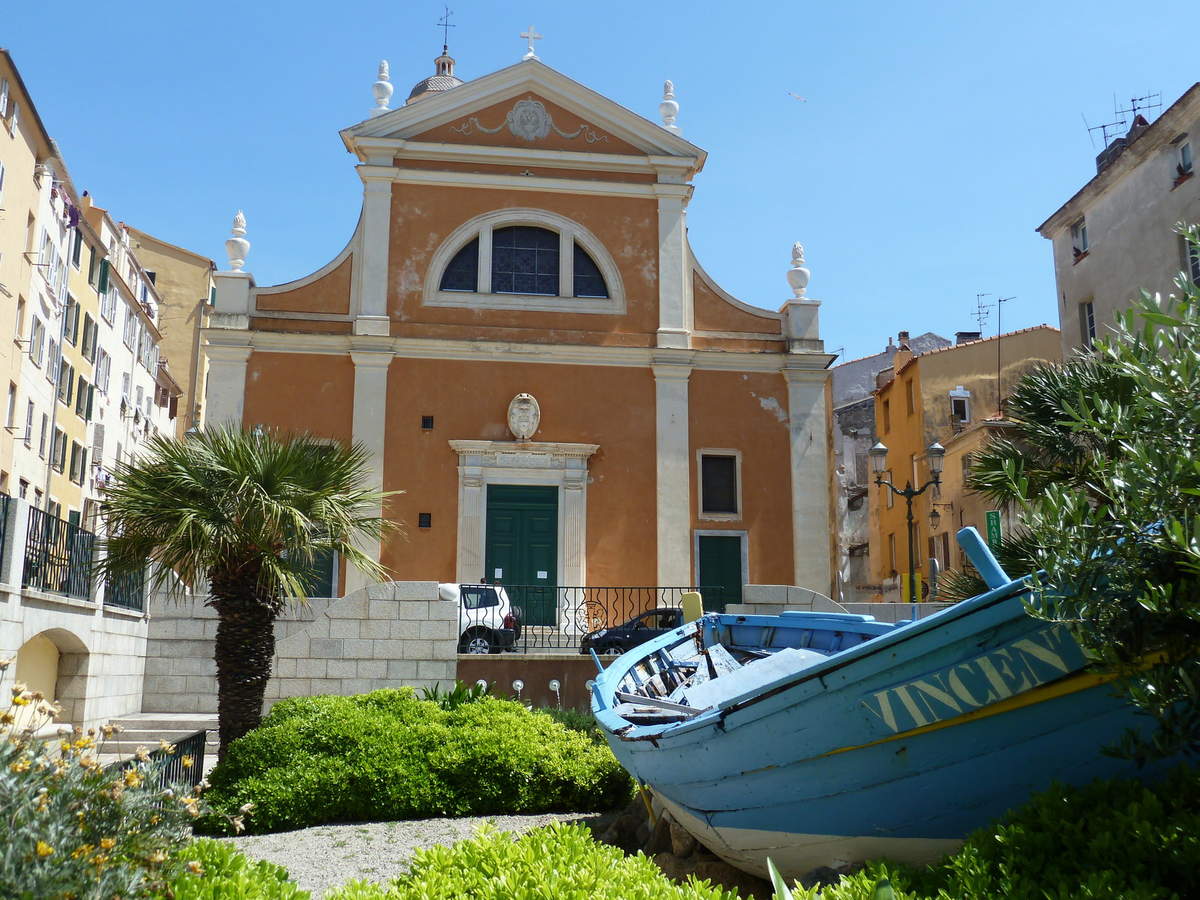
184 283
1116 236
949 395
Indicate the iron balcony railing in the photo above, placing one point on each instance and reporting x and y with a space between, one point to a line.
5 506
126 591
58 556
184 764
532 618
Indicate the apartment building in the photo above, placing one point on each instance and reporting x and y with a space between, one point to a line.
84 386
1116 236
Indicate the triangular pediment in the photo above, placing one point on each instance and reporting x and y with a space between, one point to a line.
527 105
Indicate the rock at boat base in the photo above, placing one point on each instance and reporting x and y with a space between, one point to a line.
682 843
660 837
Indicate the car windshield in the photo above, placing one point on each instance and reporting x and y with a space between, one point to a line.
479 597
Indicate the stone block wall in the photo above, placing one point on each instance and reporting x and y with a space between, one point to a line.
101 651
384 635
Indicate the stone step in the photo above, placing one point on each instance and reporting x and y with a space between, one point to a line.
167 721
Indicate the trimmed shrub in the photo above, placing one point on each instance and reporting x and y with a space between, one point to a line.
577 720
558 862
213 870
1106 840
388 755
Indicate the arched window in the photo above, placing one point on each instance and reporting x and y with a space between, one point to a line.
462 274
524 259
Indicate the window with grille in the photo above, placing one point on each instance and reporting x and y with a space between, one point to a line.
462 274
524 261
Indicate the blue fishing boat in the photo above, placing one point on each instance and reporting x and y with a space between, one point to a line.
826 739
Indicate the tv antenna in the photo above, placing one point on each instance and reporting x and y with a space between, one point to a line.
444 24
982 311
1138 104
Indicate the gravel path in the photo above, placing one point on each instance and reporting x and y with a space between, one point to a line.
328 856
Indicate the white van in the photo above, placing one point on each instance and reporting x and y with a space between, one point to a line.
487 621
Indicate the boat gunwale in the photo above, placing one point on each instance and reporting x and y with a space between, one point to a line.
627 731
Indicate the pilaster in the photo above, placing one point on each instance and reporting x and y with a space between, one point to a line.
808 431
372 313
673 488
674 281
225 396
369 419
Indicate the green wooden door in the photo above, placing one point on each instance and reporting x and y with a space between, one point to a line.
521 547
720 570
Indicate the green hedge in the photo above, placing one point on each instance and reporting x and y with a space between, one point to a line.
214 870
558 862
388 755
1111 839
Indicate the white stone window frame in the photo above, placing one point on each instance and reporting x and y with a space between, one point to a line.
569 233
960 393
698 533
715 516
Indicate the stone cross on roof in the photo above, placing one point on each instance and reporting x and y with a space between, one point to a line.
531 35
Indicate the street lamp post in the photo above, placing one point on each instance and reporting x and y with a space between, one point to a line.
935 453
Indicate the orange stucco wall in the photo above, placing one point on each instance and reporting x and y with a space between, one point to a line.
612 407
748 412
492 117
713 313
328 294
301 392
441 165
423 216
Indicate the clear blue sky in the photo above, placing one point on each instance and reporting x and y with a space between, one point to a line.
934 139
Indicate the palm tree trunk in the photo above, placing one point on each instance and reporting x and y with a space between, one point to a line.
245 646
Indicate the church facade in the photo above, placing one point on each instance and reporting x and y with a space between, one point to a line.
519 333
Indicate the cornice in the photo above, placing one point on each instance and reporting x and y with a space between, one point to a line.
574 186
527 448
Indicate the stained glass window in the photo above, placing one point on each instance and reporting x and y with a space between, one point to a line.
588 280
524 261
463 272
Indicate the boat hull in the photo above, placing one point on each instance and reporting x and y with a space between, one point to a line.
899 750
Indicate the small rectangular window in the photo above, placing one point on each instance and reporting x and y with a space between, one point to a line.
29 414
1087 324
1079 238
718 484
910 401
424 520
1184 166
77 248
10 416
42 436
887 416
892 553
891 498
960 409
427 423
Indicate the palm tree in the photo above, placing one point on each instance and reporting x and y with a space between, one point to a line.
247 513
1042 448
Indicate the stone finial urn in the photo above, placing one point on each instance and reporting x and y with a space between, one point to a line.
237 246
669 108
382 90
798 275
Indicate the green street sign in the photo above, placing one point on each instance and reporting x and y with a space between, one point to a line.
992 516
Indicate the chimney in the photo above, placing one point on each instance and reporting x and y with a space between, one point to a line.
902 337
965 337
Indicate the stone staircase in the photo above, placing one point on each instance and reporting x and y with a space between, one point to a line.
147 729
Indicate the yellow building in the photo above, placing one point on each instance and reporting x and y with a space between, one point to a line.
185 289
951 396
25 148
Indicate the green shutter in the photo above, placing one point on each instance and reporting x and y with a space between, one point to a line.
87 416
103 286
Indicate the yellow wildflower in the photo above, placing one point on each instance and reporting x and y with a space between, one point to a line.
81 851
38 695
157 857
165 747
155 819
44 849
108 843
7 718
186 762
142 754
21 765
107 730
99 860
195 868
20 700
18 689
83 743
132 778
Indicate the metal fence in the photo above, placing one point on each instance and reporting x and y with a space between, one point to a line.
126 591
174 772
58 556
555 618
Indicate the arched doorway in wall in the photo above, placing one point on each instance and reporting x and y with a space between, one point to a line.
55 662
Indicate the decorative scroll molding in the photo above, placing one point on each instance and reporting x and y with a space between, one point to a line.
530 121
